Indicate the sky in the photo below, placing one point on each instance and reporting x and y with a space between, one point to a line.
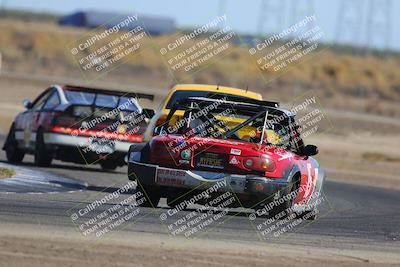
341 23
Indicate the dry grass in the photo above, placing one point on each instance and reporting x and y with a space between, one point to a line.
6 173
368 84
374 157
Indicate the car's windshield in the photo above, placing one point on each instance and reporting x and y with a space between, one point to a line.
262 126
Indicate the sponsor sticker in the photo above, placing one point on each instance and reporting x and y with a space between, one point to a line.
185 154
236 152
170 177
233 161
27 136
121 129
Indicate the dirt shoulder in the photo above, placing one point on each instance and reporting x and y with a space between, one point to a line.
360 158
23 245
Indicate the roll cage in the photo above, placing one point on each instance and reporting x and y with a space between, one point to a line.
257 112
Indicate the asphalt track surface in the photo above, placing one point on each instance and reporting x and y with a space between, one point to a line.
351 216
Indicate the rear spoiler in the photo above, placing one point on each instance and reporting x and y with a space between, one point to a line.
108 92
242 101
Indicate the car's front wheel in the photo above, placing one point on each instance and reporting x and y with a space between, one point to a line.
13 153
152 196
43 157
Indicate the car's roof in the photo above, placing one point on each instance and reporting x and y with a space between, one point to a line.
217 89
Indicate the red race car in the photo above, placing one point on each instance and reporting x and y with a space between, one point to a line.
251 148
78 124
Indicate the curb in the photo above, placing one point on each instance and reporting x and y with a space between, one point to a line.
33 181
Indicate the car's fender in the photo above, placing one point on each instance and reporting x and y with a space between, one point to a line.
290 173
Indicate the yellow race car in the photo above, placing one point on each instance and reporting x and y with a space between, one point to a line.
183 91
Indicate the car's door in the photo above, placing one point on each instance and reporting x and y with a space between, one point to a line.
30 118
306 165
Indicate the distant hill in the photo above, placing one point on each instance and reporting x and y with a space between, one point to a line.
28 15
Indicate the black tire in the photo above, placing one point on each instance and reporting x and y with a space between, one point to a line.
284 207
152 196
108 165
145 153
43 157
308 216
312 217
288 204
13 153
173 202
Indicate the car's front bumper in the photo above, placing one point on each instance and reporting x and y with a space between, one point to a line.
154 175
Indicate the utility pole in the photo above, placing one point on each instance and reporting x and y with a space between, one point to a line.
349 25
272 16
379 25
300 9
3 6
221 7
222 10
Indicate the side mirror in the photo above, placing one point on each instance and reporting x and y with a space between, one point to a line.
157 130
310 150
148 113
27 104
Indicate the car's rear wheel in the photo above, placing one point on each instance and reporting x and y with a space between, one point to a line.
308 215
312 217
285 209
13 153
173 202
43 157
152 196
108 165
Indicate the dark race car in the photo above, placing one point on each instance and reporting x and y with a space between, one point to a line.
261 158
80 125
